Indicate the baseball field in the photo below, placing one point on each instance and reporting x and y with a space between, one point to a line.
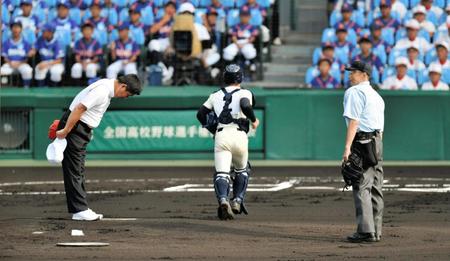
169 213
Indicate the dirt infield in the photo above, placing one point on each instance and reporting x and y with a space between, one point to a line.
295 214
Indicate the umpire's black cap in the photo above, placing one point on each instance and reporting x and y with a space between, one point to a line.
359 66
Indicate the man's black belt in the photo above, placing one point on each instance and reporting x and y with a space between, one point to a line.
366 135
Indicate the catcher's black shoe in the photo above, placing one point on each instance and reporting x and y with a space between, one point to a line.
362 238
224 211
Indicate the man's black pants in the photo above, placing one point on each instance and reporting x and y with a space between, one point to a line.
73 164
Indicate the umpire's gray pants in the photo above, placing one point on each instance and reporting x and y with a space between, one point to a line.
368 196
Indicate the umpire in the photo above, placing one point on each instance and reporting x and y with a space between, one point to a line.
364 116
84 114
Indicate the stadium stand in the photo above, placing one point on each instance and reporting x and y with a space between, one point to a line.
405 41
85 58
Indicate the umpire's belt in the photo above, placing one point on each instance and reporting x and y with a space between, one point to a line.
366 135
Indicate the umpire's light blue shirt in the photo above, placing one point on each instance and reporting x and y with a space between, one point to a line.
363 104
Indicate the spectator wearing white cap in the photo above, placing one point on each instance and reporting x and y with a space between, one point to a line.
420 14
435 83
414 63
442 48
412 29
400 81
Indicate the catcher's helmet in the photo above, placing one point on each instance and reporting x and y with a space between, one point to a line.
232 74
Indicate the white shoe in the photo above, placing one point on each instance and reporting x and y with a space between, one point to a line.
87 215
253 67
277 41
168 74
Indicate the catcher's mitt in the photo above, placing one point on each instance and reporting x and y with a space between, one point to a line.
352 170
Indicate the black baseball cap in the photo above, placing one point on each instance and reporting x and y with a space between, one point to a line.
359 66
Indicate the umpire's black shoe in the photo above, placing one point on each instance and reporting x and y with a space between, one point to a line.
362 238
224 211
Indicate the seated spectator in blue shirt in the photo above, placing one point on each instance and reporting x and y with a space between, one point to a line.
342 45
101 24
386 20
329 53
160 32
15 52
124 54
347 22
87 54
243 35
51 57
28 21
64 23
324 80
138 30
367 55
376 38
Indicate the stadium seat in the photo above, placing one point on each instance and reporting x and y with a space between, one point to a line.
388 35
64 37
160 13
137 35
446 75
114 35
336 74
5 14
124 15
388 72
316 55
75 15
440 3
412 74
381 53
101 36
342 55
240 3
29 36
375 77
422 76
228 3
6 34
15 3
256 17
423 33
310 74
50 3
395 53
430 56
401 33
264 3
205 3
328 35
233 17
413 3
352 37
199 12
51 14
147 16
121 3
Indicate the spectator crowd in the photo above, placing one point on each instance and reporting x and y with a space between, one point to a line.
74 42
405 41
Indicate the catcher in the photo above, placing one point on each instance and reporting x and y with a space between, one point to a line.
362 158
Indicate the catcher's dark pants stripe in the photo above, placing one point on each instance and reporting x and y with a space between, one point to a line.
73 165
368 196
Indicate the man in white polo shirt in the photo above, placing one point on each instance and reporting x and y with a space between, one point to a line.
84 114
435 83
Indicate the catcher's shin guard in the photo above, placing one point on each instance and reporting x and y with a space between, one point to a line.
222 185
240 184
